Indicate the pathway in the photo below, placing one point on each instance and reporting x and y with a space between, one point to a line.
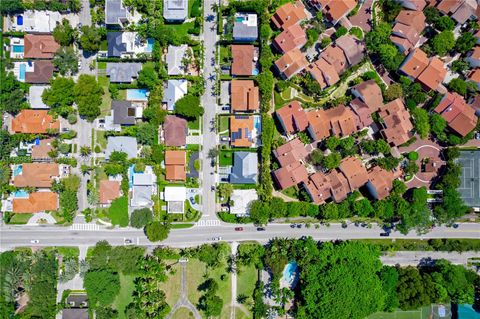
285 198
36 218
77 282
184 302
363 18
413 258
234 280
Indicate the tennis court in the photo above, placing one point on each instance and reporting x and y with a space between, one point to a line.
470 180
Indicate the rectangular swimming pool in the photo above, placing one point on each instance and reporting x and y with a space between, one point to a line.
137 95
21 74
17 170
150 42
17 48
20 194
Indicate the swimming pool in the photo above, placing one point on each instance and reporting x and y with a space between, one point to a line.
17 48
467 312
19 20
20 194
17 170
240 19
21 74
289 272
137 94
255 71
257 123
130 176
150 42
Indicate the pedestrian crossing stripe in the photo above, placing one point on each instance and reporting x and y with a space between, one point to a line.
85 227
208 223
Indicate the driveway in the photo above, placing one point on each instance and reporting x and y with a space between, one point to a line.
193 173
363 18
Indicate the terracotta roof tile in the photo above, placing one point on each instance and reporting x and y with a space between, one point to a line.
291 63
396 122
175 162
324 73
292 117
40 46
292 37
175 130
338 121
243 59
354 172
40 152
36 175
433 75
108 191
415 63
336 9
382 181
34 121
35 203
241 128
245 95
289 14
42 72
370 93
459 115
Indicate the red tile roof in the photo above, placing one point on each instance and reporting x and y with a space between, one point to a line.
175 130
245 95
459 115
108 191
430 73
36 175
241 128
354 172
35 203
382 181
243 59
324 73
336 9
292 37
34 121
370 93
292 117
175 162
291 63
338 121
42 72
289 14
40 152
40 46
396 122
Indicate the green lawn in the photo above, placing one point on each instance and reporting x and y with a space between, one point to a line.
225 54
172 285
292 192
224 289
101 140
224 124
118 211
422 313
102 65
226 158
124 297
106 99
182 313
195 124
181 29
195 271
246 279
20 218
122 94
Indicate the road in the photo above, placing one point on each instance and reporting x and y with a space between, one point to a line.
17 236
413 258
209 102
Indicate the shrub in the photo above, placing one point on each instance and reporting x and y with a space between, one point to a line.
413 156
118 211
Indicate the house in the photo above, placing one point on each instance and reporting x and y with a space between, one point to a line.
429 72
335 10
244 60
362 111
354 171
474 57
34 21
41 149
35 96
318 187
243 130
176 89
108 191
127 44
457 113
325 73
460 11
245 168
175 197
115 13
291 157
474 77
241 200
292 37
175 131
245 96
353 49
39 175
289 14
245 27
380 182
38 46
174 59
124 113
338 121
417 5
126 144
396 126
34 122
291 63
292 117
175 162
123 72
76 307
143 187
369 93
36 202
175 10
34 72
407 30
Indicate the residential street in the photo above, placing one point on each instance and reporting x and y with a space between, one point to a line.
19 236
413 258
209 102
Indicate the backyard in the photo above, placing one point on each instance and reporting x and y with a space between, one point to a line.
124 297
106 99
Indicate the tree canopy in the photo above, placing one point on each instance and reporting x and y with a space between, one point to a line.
102 286
66 60
88 96
63 33
189 107
91 37
157 231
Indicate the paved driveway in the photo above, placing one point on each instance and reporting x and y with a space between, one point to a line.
363 17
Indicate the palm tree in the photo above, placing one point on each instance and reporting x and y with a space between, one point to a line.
85 151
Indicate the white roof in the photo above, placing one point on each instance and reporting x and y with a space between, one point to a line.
241 201
142 179
176 89
175 194
35 96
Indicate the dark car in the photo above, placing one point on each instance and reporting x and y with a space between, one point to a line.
384 234
260 228
455 225
238 228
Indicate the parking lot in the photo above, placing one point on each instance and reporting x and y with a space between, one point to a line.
470 179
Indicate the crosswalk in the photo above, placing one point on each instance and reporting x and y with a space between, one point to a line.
207 223
85 227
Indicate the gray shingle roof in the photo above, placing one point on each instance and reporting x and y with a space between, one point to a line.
115 45
123 72
174 59
175 10
245 168
115 13
126 144
123 112
246 29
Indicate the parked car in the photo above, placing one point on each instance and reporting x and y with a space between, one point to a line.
34 241
238 228
455 225
217 238
384 234
127 241
225 138
260 228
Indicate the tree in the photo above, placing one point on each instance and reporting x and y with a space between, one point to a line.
410 290
341 31
332 161
63 33
460 66
389 277
146 133
59 95
157 231
438 125
12 93
102 286
390 10
11 6
390 56
316 157
106 313
443 42
141 217
393 92
379 35
458 85
189 106
465 42
66 60
362 207
88 96
148 77
432 14
225 190
421 122
154 114
259 212
212 305
444 23
91 38
85 151
332 143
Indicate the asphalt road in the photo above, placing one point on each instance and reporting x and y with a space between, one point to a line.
16 236
413 258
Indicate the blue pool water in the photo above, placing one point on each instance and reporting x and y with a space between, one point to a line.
257 124
130 176
289 272
255 71
137 94
19 20
17 48
20 194
150 44
17 170
23 69
240 19
467 312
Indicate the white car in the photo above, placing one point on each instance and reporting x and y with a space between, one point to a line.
217 238
34 241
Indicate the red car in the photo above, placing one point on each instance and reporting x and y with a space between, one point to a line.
238 228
